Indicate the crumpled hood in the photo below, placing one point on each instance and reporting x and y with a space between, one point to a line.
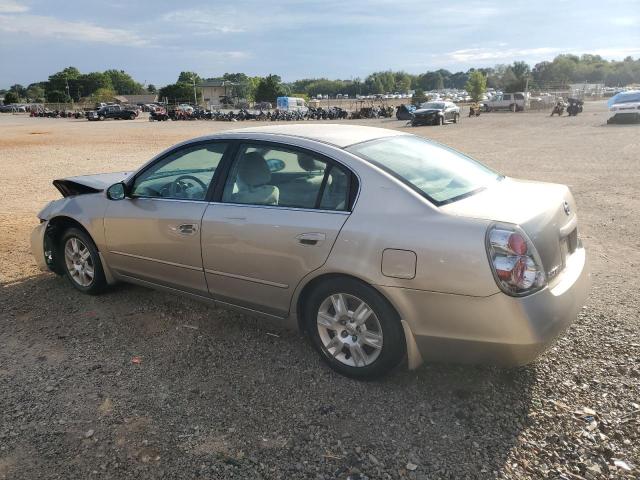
426 111
88 183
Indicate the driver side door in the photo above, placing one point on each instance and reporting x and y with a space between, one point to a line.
153 234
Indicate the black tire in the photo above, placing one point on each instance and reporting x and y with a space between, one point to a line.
101 117
393 346
441 120
132 116
99 282
456 117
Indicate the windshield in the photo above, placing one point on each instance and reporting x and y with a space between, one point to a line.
435 171
436 105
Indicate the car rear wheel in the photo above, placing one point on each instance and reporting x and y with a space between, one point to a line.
456 118
354 328
81 262
132 116
101 117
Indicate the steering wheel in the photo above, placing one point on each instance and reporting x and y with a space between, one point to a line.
179 187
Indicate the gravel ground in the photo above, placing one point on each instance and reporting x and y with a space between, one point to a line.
139 384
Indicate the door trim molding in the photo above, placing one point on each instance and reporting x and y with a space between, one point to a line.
248 279
165 262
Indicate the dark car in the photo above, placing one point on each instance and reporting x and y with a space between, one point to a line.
436 113
112 111
405 112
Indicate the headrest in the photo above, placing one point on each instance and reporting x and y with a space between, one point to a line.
254 170
309 164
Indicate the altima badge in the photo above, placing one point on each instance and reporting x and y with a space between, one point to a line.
567 208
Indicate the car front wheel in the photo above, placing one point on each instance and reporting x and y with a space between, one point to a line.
81 262
354 328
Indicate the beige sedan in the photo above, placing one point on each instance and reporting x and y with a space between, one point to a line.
382 246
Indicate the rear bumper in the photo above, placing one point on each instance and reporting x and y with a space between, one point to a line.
498 329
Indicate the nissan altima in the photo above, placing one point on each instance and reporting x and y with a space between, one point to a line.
383 247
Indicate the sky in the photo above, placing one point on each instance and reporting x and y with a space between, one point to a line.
154 40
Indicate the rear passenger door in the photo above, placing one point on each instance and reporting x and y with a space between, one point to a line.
276 219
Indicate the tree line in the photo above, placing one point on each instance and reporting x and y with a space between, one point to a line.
71 85
556 74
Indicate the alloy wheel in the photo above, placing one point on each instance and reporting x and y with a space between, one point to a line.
79 263
349 330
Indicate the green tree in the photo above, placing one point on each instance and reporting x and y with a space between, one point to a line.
35 93
60 80
188 77
268 89
123 83
418 97
11 97
476 85
104 94
57 96
87 84
180 92
19 90
151 88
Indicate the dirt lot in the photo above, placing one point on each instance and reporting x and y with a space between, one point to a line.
218 395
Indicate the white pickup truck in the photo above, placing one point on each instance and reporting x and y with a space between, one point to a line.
516 102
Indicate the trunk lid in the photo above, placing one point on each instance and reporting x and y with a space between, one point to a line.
545 211
88 183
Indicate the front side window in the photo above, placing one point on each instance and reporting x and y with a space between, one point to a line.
184 174
437 172
278 176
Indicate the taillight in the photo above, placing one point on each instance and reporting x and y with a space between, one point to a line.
514 260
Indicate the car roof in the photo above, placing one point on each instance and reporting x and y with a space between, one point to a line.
339 135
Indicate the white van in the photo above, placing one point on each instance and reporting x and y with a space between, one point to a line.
292 104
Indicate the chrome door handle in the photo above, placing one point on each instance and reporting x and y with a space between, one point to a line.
312 238
186 228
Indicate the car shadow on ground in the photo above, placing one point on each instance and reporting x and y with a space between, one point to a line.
137 380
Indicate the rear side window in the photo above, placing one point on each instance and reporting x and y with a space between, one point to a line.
506 97
283 177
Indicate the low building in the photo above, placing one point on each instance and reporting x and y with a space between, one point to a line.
136 99
215 92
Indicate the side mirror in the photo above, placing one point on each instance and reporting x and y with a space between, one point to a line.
116 191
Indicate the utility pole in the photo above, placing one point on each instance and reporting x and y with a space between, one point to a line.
195 95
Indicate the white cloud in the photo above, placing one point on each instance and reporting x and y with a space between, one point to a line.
11 6
495 54
628 21
41 26
617 53
220 22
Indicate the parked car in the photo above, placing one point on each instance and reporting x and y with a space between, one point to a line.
380 245
436 113
625 107
112 111
405 112
516 102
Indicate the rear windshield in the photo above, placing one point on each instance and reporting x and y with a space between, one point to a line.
435 171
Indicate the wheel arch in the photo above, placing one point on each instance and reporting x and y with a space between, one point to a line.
56 226
413 357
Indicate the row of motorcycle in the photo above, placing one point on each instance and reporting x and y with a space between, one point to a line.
46 113
313 113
